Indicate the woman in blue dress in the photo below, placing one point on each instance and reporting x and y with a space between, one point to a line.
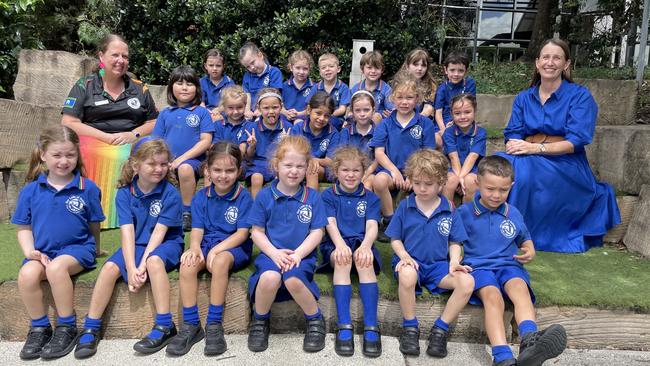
564 206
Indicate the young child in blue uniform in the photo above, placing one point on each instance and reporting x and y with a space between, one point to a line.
57 216
329 69
353 215
259 74
260 137
214 82
465 144
187 129
456 82
219 242
287 222
297 90
496 232
396 138
232 123
150 215
425 235
418 64
372 67
322 136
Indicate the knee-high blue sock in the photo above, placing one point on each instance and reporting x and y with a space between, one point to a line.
161 319
342 295
215 314
67 320
90 323
527 326
502 353
191 315
369 293
43 321
441 324
410 323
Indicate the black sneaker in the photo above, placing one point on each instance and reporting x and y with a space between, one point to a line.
372 348
437 342
314 335
150 345
187 221
409 341
87 349
215 343
187 336
258 335
381 234
508 362
63 341
537 347
341 347
37 337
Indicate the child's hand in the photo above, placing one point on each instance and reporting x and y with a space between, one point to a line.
216 116
34 255
457 267
405 262
342 255
250 140
295 262
249 114
386 113
526 256
281 259
133 280
398 179
292 113
174 164
363 257
211 255
192 257
407 185
461 180
313 166
44 259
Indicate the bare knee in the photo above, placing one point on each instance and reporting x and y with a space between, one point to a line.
492 298
188 271
221 263
381 182
185 171
465 285
257 180
110 271
30 275
293 284
155 264
269 281
408 277
56 270
452 181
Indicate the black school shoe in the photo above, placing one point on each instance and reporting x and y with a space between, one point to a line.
149 345
314 335
215 342
187 336
63 341
344 348
258 335
87 349
372 348
409 341
37 337
508 362
537 347
437 342
187 221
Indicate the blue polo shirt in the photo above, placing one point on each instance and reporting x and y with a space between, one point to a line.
340 92
160 206
426 239
351 210
266 137
294 97
493 237
225 130
474 141
211 92
271 77
59 218
380 93
400 142
447 91
181 127
322 145
288 219
351 136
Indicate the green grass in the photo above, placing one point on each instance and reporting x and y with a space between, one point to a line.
603 277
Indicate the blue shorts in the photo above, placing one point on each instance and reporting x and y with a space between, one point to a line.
240 255
327 247
196 166
169 251
261 168
305 273
498 279
429 276
83 253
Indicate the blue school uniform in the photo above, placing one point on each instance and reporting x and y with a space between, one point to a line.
447 91
341 95
400 142
266 142
426 239
144 210
294 97
224 130
60 220
324 144
474 141
271 77
222 216
571 211
351 211
211 92
351 136
380 93
287 221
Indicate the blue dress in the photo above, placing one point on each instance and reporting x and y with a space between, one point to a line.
564 207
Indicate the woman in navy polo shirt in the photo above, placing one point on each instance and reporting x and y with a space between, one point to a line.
564 206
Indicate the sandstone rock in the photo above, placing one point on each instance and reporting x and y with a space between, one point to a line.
637 238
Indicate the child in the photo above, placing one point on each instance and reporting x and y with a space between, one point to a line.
424 231
231 127
328 67
465 143
149 210
353 214
214 82
496 231
297 90
396 138
372 67
187 129
456 82
287 222
417 63
259 74
57 215
219 242
260 136
321 135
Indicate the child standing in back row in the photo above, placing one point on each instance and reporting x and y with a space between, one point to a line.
372 67
456 66
329 69
298 89
214 82
259 74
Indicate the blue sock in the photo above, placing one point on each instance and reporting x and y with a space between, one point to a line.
369 293
261 316
215 314
161 319
314 316
187 208
43 321
191 315
342 296
90 323
411 322
527 326
67 320
502 353
441 324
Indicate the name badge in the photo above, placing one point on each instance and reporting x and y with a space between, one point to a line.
101 102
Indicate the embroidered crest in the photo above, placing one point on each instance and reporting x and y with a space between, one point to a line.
324 144
304 214
416 132
267 80
231 215
444 226
508 229
361 208
154 208
75 204
306 92
192 120
134 103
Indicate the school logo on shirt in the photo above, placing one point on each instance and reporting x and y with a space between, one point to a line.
75 204
231 215
508 229
324 144
154 208
336 96
306 92
192 120
267 80
133 103
304 214
444 226
416 132
239 134
361 208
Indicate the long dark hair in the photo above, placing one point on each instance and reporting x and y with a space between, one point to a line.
184 73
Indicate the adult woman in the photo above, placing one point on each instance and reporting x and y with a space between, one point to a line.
109 110
564 207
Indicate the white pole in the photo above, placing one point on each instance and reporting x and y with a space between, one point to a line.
640 65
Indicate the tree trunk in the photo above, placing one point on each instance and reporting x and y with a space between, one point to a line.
543 26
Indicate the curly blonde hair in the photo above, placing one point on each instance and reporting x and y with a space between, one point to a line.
145 151
429 163
347 153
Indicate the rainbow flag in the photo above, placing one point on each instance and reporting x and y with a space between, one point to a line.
103 164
